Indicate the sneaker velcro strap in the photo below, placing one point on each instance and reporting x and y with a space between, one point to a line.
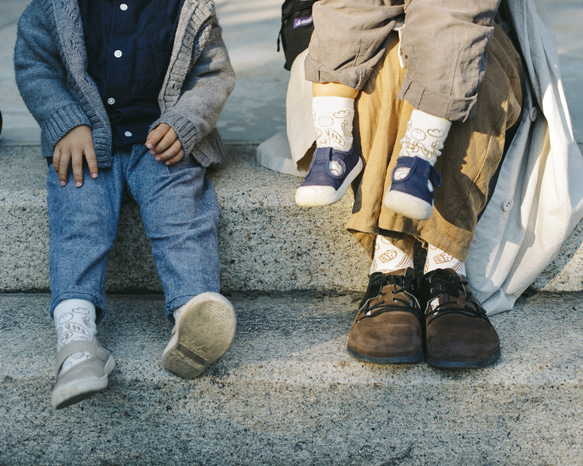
80 346
420 166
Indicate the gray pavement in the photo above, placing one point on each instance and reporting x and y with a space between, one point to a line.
288 393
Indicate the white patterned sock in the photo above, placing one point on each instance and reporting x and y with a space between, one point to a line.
425 136
333 121
74 321
438 259
387 257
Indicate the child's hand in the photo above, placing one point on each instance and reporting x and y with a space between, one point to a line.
164 144
70 151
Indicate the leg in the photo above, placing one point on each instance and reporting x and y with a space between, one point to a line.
83 224
441 82
346 44
180 213
470 157
335 164
458 333
414 179
444 72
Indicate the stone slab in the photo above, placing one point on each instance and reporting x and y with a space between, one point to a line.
266 242
287 392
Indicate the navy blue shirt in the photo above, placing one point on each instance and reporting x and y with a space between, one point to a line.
129 44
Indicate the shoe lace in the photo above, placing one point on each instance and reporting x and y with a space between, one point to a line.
402 297
451 288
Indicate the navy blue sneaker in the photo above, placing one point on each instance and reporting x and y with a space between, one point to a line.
329 176
411 191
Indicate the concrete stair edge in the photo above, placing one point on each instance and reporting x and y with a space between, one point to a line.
266 242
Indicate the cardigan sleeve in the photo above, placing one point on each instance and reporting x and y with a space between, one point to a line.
41 75
204 91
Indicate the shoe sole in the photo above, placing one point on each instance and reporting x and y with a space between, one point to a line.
415 358
76 391
444 364
319 196
407 205
204 332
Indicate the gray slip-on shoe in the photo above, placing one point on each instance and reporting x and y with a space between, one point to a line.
84 379
203 332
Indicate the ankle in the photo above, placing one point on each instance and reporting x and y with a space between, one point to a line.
74 321
425 136
333 122
439 259
388 258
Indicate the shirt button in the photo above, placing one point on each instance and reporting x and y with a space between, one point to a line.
111 101
117 54
533 114
508 204
123 7
128 134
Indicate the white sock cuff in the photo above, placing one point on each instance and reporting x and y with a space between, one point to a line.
333 122
68 304
425 121
74 320
177 312
425 136
331 104
439 259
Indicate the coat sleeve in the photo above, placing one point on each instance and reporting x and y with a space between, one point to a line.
204 91
41 76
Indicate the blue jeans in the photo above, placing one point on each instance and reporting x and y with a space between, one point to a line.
180 212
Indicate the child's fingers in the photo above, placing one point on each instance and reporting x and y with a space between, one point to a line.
160 138
73 149
156 135
91 159
177 158
77 165
56 159
63 167
166 143
172 151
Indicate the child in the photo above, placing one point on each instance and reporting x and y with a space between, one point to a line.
443 47
127 95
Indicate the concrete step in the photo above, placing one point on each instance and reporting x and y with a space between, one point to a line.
287 392
266 242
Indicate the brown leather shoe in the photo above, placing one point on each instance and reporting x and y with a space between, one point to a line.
387 326
458 333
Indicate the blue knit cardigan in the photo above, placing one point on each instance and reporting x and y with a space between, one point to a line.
51 72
